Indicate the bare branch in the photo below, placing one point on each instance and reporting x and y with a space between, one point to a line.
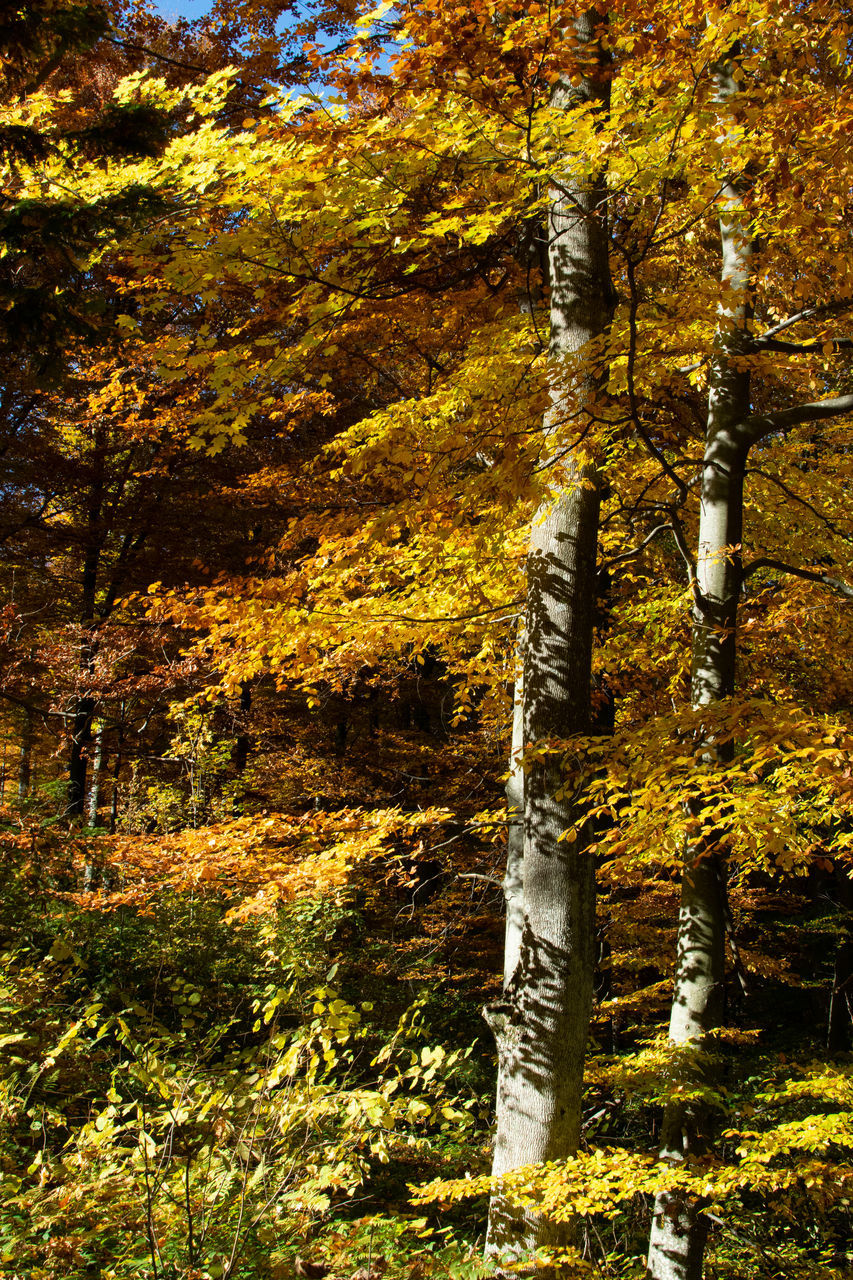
133 47
406 617
684 551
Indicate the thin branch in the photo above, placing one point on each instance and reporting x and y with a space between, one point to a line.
796 497
808 574
635 551
133 47
639 425
684 551
808 313
405 617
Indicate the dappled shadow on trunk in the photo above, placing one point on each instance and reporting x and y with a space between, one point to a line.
719 569
540 1027
541 1022
679 1227
559 647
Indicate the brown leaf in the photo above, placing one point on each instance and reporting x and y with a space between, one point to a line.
311 1270
377 1268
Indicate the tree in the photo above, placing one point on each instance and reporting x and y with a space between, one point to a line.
732 432
542 1020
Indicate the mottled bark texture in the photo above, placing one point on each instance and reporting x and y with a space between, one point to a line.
97 773
541 1022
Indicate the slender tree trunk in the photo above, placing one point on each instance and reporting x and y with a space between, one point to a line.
116 774
97 772
679 1228
243 742
840 1021
513 883
78 755
84 705
541 1022
25 756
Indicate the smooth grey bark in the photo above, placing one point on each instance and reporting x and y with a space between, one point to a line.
513 882
541 1022
679 1229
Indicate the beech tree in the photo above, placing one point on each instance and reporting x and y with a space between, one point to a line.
733 430
542 1020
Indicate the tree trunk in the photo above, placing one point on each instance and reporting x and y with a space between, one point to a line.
78 754
541 1022
97 771
513 883
840 1021
243 741
679 1228
84 706
25 756
116 774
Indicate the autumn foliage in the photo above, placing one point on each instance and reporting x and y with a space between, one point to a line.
280 403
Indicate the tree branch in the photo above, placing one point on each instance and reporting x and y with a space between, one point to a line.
796 497
828 308
407 617
803 348
635 551
684 551
808 574
761 424
134 47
